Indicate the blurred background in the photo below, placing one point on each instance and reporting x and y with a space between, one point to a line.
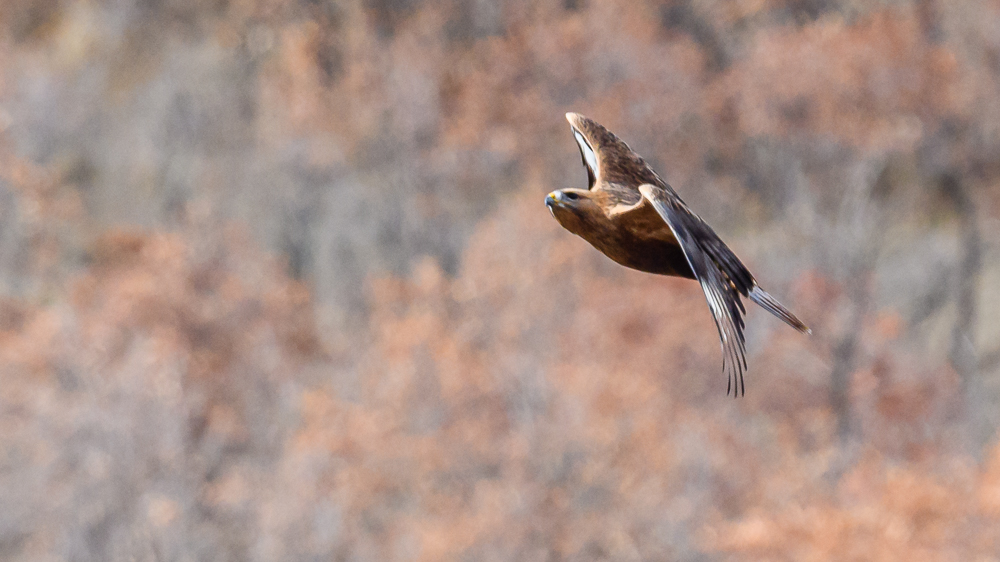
277 281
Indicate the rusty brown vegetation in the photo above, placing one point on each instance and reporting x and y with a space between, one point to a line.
277 282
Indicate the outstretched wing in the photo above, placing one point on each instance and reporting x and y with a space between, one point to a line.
721 274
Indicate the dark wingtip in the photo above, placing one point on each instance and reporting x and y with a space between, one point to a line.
770 304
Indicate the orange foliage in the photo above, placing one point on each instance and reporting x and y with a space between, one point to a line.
496 389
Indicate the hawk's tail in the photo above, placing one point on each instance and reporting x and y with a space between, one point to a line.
771 305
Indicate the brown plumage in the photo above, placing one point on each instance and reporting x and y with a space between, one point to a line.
636 219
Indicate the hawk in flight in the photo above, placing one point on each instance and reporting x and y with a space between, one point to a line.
636 219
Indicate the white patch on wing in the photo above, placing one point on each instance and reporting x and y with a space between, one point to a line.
588 153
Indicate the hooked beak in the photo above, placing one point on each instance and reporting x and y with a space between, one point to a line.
556 198
551 200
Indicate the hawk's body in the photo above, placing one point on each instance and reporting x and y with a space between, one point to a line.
633 235
637 220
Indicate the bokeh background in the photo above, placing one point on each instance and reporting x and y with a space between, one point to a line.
277 281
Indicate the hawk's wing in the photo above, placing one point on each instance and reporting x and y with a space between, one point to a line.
721 274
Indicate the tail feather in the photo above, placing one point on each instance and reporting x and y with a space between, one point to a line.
771 305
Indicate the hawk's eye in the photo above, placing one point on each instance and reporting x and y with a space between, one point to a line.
570 195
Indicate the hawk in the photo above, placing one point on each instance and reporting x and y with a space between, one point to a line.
636 219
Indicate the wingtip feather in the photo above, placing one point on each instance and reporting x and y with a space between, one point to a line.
770 304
